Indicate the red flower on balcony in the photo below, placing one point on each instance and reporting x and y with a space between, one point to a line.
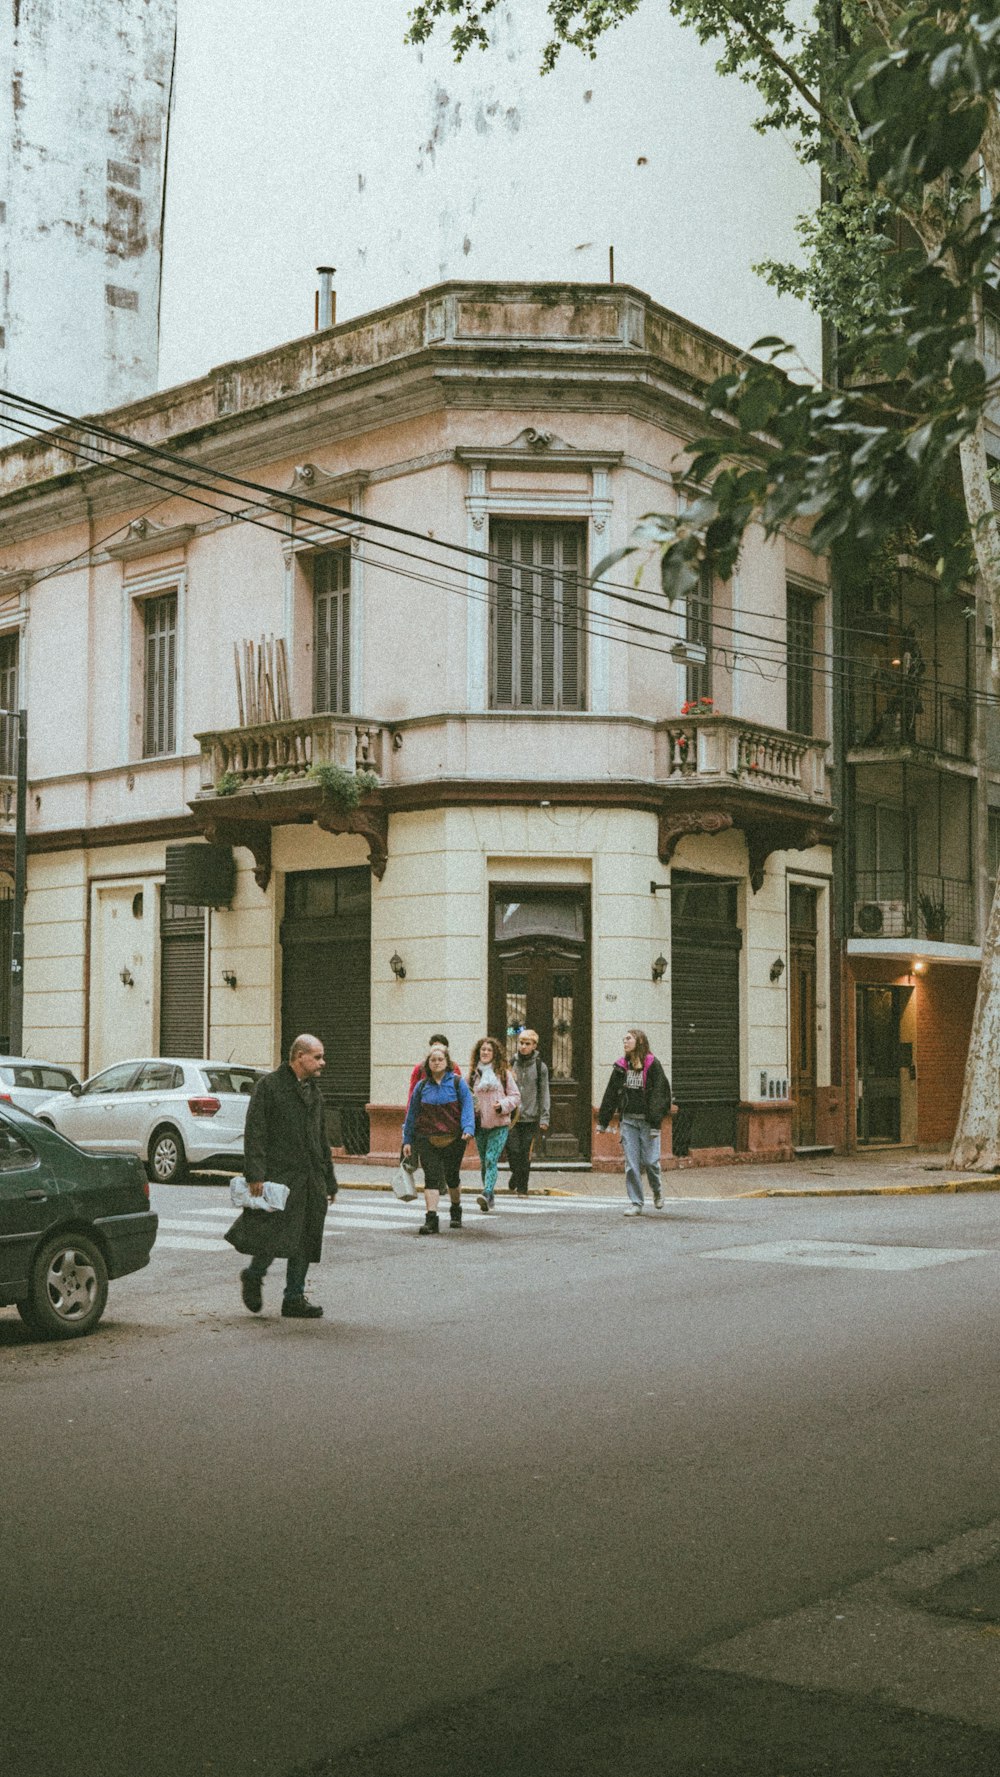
698 706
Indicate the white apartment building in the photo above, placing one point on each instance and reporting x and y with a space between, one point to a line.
560 830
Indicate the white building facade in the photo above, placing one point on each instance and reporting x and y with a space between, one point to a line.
586 810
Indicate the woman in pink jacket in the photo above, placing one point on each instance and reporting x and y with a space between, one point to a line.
496 1096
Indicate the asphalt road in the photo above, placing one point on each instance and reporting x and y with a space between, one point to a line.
564 1492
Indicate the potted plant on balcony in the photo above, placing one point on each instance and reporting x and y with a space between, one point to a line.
934 916
344 788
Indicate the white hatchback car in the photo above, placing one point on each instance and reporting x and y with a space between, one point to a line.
29 1083
171 1114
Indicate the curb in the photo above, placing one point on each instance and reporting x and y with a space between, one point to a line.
951 1188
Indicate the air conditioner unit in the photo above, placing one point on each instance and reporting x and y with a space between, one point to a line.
882 919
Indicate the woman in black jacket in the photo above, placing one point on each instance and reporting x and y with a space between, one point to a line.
638 1093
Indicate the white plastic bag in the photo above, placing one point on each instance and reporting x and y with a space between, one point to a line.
403 1185
273 1196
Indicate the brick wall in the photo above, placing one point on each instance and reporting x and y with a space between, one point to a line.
945 1001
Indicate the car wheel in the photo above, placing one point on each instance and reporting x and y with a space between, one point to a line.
167 1159
69 1288
47 1121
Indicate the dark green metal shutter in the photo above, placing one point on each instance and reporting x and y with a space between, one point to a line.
705 977
326 989
182 980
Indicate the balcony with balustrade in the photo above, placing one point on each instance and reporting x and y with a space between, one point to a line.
699 773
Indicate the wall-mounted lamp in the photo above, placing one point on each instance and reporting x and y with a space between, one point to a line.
918 968
776 970
397 966
659 968
229 978
126 977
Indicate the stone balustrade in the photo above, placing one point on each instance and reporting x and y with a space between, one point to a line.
282 752
710 748
683 752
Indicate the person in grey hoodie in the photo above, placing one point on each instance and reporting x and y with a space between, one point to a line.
532 1078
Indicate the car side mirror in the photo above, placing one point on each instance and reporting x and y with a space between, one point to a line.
75 1090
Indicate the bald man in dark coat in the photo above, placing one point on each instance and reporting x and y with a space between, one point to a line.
285 1140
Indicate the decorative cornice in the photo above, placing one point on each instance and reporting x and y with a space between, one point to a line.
543 450
123 833
253 836
245 816
146 538
767 824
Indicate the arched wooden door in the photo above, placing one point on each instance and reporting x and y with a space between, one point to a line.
540 977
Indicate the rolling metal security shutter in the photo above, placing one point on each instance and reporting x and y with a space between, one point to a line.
182 980
705 996
326 989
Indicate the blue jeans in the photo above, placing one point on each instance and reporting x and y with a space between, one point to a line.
641 1147
295 1275
491 1144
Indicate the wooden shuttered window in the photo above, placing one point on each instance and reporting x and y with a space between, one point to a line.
698 632
10 646
159 677
800 659
537 614
332 631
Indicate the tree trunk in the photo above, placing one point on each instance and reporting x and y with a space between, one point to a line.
976 1147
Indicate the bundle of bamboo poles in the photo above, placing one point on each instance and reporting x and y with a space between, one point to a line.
262 681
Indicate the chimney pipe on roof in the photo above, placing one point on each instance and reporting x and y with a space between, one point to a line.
326 303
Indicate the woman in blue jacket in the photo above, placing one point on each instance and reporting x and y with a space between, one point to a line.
440 1119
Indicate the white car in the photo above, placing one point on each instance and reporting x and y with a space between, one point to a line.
172 1114
29 1083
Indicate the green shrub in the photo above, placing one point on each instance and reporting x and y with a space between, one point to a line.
343 787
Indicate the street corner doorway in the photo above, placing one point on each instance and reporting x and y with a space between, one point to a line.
539 977
886 1090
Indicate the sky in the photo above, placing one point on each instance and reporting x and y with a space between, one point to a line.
311 134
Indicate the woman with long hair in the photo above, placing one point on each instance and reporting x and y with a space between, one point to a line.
495 1092
638 1094
440 1118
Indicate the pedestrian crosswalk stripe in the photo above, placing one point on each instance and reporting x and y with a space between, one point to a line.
386 1205
189 1244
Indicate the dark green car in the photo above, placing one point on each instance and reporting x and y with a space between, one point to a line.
68 1222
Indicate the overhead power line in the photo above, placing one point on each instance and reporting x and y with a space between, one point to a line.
176 475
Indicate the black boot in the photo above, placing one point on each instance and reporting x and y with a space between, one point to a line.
430 1223
455 1218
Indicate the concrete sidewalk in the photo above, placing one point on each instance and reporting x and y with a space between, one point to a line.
880 1171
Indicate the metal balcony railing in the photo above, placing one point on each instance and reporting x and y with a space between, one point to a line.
888 712
895 904
283 752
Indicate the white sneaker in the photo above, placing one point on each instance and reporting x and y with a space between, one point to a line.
634 1209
